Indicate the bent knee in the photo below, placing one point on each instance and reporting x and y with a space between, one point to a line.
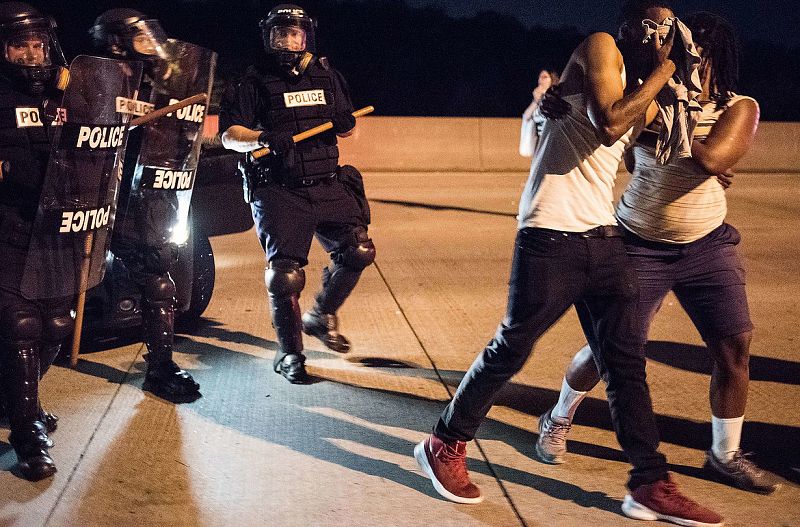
733 352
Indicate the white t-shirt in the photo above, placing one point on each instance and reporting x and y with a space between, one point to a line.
572 174
679 202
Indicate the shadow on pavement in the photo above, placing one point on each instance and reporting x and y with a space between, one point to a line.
431 206
690 357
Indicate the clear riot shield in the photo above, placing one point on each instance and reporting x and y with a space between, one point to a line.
72 229
162 183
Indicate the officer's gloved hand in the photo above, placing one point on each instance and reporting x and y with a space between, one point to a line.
343 122
279 143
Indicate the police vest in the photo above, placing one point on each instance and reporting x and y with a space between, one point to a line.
295 106
25 139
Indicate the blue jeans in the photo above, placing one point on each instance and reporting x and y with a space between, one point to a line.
552 271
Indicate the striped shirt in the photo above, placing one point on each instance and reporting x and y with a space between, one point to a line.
678 202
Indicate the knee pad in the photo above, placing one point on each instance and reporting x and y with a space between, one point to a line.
159 288
356 257
284 277
57 328
21 323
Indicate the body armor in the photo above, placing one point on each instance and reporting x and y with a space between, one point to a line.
295 105
25 138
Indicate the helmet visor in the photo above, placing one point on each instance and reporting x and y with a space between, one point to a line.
30 48
287 38
147 38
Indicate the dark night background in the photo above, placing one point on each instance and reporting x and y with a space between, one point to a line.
456 57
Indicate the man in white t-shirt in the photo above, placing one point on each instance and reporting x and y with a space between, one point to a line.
569 251
676 236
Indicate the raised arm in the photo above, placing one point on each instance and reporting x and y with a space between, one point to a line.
729 139
611 110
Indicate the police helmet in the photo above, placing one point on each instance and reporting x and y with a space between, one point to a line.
288 32
32 55
127 33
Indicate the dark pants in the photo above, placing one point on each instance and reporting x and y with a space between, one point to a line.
552 271
31 332
287 219
706 275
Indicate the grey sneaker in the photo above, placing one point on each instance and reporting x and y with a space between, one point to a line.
552 443
742 473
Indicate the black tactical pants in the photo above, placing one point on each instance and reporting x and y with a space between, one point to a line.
288 218
31 333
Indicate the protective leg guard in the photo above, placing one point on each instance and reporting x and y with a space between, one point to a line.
22 331
338 281
340 278
285 280
163 376
58 324
20 380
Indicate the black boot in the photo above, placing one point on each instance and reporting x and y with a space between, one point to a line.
289 360
21 386
164 377
325 328
285 280
293 369
30 442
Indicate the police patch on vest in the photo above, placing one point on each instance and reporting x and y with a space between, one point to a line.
74 221
304 98
133 106
88 137
193 113
28 117
166 179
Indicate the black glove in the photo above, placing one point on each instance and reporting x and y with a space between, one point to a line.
343 122
552 105
279 143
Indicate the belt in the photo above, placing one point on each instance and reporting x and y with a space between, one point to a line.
603 231
311 182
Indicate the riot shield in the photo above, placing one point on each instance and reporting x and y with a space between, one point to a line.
72 229
162 183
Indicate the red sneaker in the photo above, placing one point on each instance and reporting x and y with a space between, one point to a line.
663 501
446 465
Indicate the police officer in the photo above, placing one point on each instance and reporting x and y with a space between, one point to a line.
141 236
31 331
299 190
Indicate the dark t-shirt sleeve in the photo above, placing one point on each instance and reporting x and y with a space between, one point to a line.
238 106
343 103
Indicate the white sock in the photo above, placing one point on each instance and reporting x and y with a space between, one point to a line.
725 436
568 401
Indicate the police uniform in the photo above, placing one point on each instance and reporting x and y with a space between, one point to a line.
31 331
300 194
141 238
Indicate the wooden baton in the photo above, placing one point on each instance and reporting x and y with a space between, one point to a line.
261 152
161 112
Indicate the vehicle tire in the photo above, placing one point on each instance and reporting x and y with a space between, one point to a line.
203 276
